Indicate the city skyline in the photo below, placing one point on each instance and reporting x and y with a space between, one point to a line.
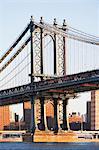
87 16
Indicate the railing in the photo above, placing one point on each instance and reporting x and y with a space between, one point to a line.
74 77
16 90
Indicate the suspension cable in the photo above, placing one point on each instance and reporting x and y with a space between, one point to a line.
14 68
15 43
22 61
83 33
65 33
15 55
15 75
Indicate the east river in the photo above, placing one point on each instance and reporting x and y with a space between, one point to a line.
49 146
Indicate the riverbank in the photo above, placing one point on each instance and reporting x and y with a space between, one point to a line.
50 136
62 136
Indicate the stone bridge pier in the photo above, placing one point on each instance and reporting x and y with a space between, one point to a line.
46 114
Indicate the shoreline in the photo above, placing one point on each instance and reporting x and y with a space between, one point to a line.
48 137
59 137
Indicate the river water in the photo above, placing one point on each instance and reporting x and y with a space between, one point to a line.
49 146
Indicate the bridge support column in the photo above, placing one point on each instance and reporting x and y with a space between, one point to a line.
65 125
35 109
45 120
42 123
32 115
60 113
55 116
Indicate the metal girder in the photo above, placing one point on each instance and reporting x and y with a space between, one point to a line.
60 55
74 83
70 84
37 52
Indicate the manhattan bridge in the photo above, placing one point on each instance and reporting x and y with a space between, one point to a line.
49 63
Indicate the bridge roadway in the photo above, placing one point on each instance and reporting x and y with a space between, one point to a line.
69 84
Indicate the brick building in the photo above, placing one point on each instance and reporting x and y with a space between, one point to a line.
75 121
75 117
4 117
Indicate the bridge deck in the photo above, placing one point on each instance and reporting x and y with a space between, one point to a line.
81 82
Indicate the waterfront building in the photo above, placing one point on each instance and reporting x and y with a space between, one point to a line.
75 117
75 121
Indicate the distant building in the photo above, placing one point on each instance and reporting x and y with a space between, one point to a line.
16 117
75 117
4 117
75 121
95 110
27 114
12 116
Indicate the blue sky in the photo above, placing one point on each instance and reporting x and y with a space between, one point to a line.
15 14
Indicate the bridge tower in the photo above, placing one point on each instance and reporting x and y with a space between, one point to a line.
39 108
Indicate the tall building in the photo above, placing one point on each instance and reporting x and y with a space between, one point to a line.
50 115
95 110
27 114
88 115
4 117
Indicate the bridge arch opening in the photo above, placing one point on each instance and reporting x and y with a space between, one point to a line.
50 115
48 55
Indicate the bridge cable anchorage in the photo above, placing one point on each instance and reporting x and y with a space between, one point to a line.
15 55
15 43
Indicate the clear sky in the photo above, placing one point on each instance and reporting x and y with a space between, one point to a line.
15 14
